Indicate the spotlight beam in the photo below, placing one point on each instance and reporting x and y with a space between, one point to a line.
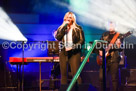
97 13
8 30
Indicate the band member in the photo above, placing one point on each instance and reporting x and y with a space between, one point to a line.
113 59
71 35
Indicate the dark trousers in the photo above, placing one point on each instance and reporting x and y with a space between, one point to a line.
111 68
74 61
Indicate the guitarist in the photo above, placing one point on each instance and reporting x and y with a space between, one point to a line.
113 59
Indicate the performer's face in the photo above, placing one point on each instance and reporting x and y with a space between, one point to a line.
69 19
112 28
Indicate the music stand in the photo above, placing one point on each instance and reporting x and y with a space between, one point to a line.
53 48
53 51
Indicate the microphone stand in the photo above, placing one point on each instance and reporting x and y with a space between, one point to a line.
104 71
22 85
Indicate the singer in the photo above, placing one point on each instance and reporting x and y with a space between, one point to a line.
72 36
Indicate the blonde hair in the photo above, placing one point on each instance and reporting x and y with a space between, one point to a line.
74 24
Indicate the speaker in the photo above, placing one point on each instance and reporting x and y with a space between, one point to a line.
129 89
90 77
81 87
131 79
128 77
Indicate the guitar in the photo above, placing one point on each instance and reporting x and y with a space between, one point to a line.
99 58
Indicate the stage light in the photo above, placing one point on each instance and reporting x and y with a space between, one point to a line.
8 30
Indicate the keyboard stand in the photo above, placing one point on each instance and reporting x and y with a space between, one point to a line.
40 86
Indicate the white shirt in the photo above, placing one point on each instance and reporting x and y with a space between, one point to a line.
68 40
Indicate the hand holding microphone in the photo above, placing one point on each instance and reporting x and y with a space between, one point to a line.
66 23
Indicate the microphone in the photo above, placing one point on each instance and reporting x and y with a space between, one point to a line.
65 24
